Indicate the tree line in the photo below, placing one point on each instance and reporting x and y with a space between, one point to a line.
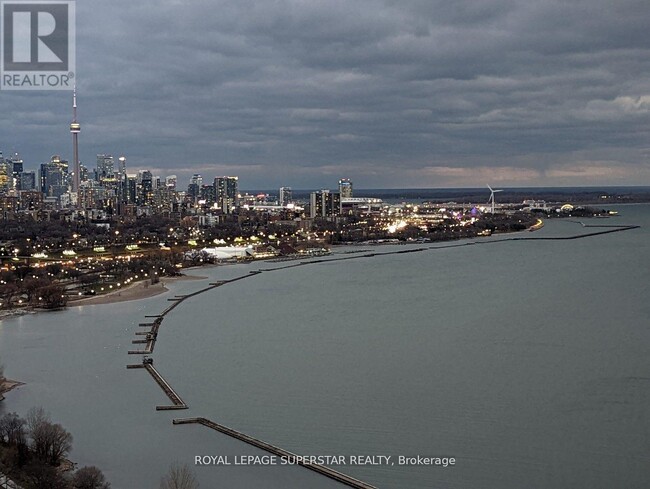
33 451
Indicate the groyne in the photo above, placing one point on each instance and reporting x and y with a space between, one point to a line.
177 402
279 452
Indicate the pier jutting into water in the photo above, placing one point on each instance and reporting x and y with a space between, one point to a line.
321 469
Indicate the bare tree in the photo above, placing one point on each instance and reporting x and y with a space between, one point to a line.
50 442
14 435
60 443
36 420
179 477
12 429
89 478
36 416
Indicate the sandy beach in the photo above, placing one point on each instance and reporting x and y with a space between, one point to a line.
136 291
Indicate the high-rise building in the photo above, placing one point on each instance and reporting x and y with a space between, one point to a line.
145 181
226 192
163 200
17 163
54 177
194 188
121 167
27 180
105 167
83 173
121 184
93 195
286 195
345 188
170 182
5 176
16 170
121 179
208 194
131 189
10 170
325 204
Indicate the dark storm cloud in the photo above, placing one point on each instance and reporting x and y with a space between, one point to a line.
390 93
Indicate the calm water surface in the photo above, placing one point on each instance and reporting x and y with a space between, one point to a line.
527 361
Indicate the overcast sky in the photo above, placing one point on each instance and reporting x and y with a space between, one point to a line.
389 93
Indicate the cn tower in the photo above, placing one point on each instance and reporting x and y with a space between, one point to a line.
75 129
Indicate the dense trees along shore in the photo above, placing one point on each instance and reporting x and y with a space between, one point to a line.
33 451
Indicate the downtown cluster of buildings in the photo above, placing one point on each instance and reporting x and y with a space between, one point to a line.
108 191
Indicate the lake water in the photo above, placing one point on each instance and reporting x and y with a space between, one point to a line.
527 361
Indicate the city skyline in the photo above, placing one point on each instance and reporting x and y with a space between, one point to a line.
421 95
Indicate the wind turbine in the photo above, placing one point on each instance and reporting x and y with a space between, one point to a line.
491 201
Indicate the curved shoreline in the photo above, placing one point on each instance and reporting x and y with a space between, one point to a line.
136 291
139 290
537 226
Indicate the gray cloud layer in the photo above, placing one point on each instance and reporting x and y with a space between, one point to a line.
389 93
